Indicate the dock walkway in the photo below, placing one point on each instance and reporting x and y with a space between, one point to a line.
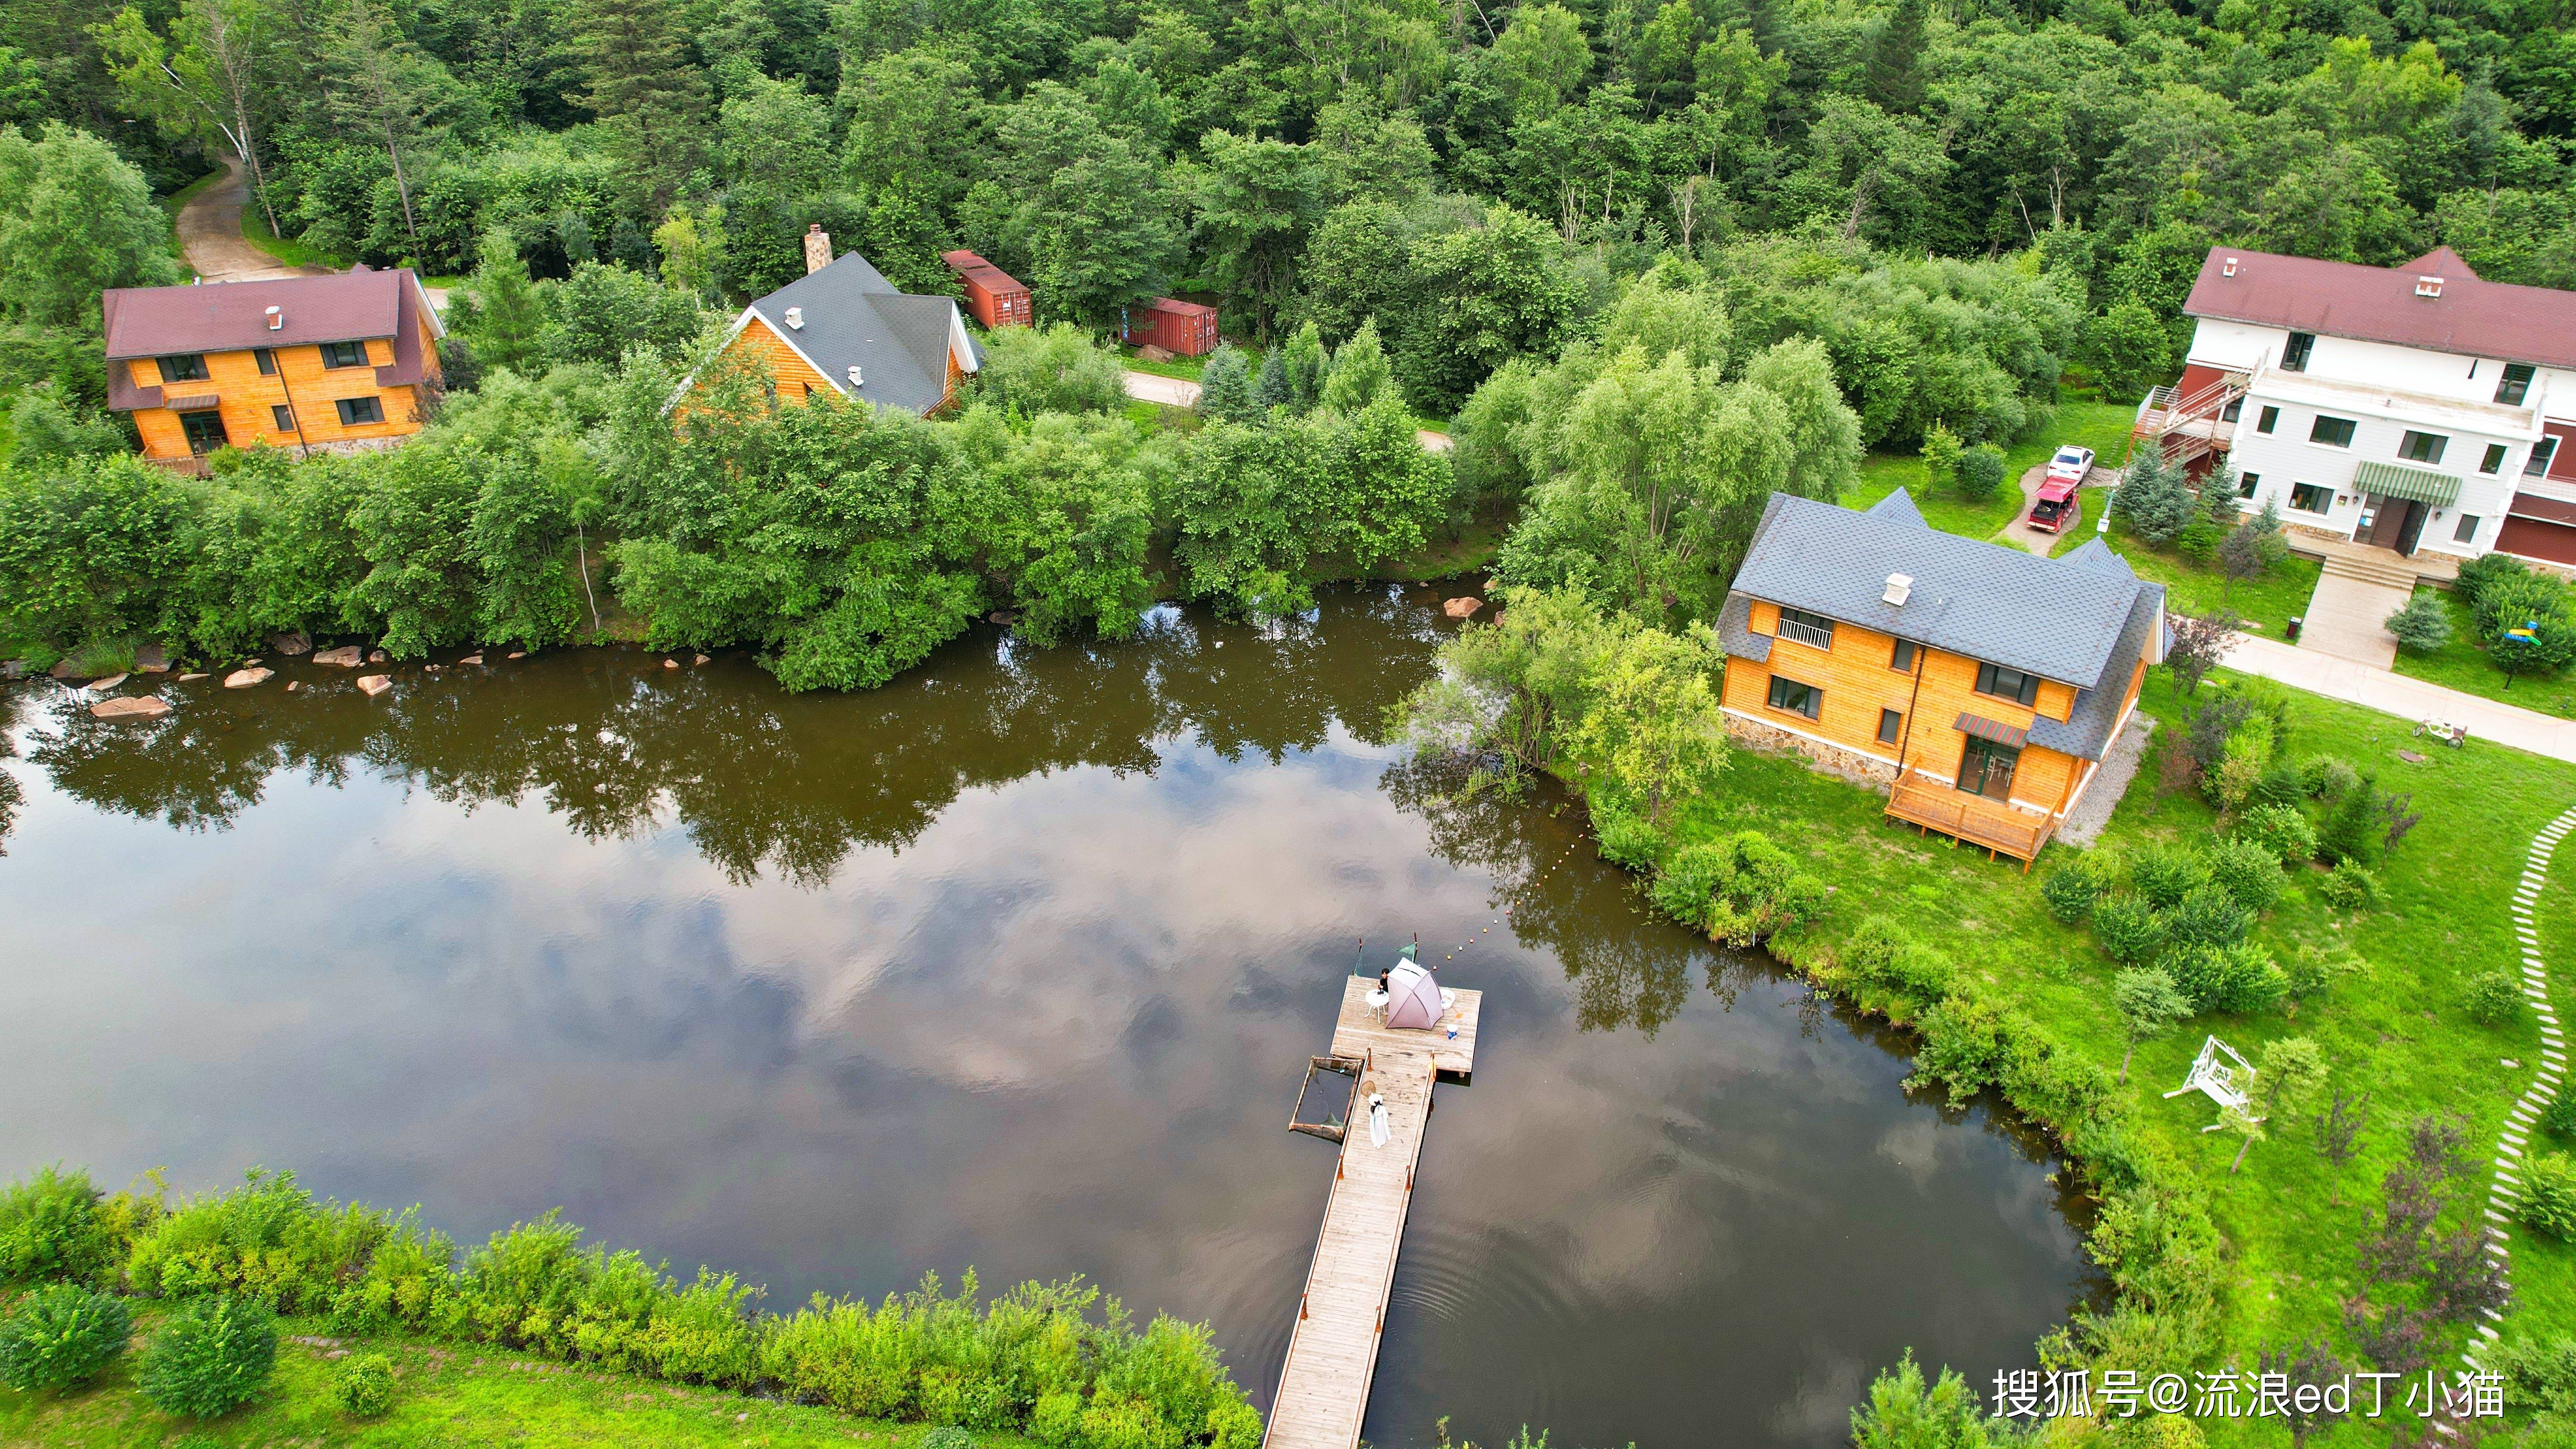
1332 1355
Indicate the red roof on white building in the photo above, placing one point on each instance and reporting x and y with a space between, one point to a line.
2471 317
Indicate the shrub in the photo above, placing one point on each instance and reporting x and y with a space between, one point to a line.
2247 871
1881 953
2559 1119
60 1335
2327 777
2281 831
1980 470
50 1227
2549 1195
2073 888
364 1385
946 1436
1056 1419
2128 929
2164 874
2280 785
2313 971
2349 887
266 1240
2355 827
1740 889
210 1358
1052 369
1628 841
2492 999
2485 569
2421 627
2237 980
1962 1047
2208 916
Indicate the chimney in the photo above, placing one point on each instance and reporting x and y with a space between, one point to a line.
1900 587
795 319
2229 269
856 380
276 318
2428 286
818 248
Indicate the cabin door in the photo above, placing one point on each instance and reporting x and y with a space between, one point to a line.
2391 523
1987 769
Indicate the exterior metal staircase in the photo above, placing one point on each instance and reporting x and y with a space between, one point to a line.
2183 427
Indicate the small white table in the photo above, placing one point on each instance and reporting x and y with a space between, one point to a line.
1376 999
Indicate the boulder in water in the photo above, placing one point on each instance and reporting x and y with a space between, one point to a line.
1462 608
246 678
344 657
151 659
372 685
291 644
133 706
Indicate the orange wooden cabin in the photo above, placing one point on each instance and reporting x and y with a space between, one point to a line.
1982 684
995 296
842 327
334 363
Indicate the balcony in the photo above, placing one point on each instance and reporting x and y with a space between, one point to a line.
1996 827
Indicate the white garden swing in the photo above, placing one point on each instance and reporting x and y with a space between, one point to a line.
2226 1085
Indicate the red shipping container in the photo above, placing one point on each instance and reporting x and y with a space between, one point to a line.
995 296
1186 329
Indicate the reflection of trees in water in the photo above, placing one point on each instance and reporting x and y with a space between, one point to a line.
10 794
1628 966
617 745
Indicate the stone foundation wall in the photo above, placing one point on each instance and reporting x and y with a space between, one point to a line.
1850 765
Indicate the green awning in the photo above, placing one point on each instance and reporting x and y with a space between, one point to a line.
2420 484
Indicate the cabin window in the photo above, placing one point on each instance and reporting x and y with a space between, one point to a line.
1889 722
2268 419
182 367
355 411
283 415
2311 497
2332 432
1791 697
2494 460
2294 357
2235 410
2246 483
1902 659
2515 385
344 354
1806 628
204 431
266 359
2422 447
2467 532
2019 686
2541 453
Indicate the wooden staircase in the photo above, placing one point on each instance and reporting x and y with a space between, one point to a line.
2185 427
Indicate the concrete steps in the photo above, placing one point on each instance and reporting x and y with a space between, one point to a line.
2391 573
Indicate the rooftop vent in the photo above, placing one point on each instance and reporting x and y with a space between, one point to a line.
795 319
2229 268
1900 587
856 380
2428 286
276 318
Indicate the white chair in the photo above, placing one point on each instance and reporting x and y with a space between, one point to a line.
2223 1083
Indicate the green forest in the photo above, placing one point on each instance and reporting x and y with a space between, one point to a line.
1754 238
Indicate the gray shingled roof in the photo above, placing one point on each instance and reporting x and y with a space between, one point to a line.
2086 730
2057 618
854 317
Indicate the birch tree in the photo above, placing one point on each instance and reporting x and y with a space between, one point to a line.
203 81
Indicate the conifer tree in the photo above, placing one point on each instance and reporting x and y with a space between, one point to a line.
1894 78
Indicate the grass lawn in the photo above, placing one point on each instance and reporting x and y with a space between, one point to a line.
2103 427
1185 368
2398 1029
445 1395
2464 665
2266 603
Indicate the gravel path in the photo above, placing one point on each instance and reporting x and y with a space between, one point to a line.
210 232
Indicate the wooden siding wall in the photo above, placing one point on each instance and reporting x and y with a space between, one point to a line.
246 397
1858 682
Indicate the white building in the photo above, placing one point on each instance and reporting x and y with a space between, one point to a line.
2416 408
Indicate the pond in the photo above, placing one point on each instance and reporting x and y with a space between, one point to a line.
1015 963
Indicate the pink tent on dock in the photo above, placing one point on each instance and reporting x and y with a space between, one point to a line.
1413 998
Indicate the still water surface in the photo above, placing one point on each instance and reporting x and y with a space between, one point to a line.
1015 964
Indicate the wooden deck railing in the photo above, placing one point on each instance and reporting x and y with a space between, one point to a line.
1999 829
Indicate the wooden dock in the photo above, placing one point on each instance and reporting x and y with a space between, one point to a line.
1332 1355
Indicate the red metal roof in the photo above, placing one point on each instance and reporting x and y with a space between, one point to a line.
223 316
2472 317
966 264
2547 510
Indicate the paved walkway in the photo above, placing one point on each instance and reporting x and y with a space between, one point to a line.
210 232
2346 615
2408 699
